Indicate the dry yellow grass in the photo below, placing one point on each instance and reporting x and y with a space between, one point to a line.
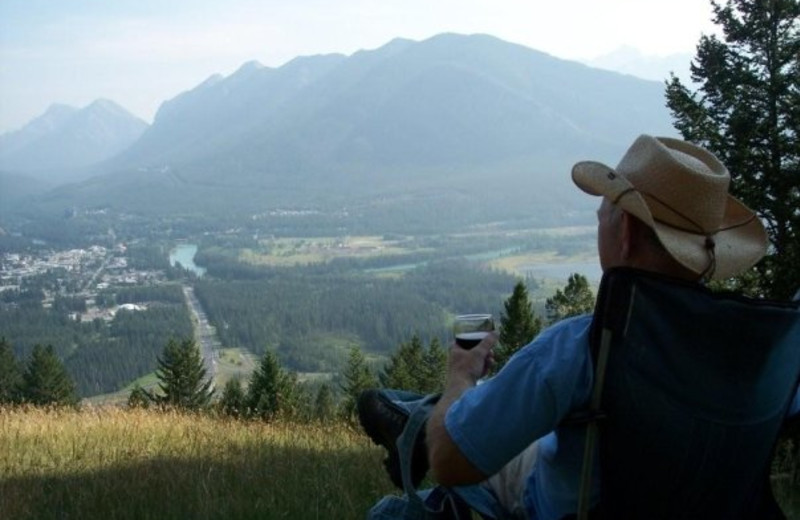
112 463
108 462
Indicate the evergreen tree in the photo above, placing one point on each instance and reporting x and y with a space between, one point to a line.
138 398
182 377
403 369
46 381
518 325
324 403
357 377
747 111
575 299
233 402
10 374
272 390
414 368
434 364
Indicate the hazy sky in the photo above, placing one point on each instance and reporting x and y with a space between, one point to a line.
142 52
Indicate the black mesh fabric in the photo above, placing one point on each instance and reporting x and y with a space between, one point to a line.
696 392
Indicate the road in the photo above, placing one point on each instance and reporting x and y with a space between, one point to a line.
90 283
205 334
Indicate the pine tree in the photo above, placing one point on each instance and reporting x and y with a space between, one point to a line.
46 381
182 377
138 398
404 366
324 403
10 374
414 368
747 111
272 390
575 299
357 377
233 402
518 325
434 364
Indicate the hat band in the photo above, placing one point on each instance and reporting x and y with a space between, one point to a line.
698 229
710 244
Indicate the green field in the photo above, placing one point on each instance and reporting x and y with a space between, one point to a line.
310 250
234 363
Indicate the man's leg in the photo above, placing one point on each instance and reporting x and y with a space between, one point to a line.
384 420
508 484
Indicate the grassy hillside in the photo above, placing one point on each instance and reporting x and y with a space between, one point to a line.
110 463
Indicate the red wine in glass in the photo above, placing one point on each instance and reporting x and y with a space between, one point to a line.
470 329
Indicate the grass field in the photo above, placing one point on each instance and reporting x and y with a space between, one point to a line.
310 250
110 463
234 363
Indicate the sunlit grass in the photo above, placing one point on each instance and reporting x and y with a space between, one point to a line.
113 463
109 463
517 264
291 251
234 363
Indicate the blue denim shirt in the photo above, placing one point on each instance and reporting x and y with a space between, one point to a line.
525 402
532 394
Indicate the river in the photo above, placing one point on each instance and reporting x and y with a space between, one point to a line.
184 254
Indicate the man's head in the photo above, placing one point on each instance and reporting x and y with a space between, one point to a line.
666 208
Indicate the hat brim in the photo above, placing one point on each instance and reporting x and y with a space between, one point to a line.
739 244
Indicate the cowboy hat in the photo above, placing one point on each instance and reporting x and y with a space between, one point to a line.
680 190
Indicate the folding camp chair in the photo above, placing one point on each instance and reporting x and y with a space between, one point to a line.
691 391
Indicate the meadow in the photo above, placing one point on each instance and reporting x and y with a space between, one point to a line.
113 463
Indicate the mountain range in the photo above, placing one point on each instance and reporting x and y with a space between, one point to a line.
59 145
459 116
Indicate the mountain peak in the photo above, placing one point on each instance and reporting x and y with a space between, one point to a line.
106 106
249 66
58 109
66 138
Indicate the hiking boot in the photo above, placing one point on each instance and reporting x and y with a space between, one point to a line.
383 421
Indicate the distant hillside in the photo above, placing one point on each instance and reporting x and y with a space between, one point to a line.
66 139
19 190
447 119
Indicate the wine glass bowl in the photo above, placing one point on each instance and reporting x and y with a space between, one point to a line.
470 329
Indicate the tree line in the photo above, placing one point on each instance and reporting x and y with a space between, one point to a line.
300 313
100 356
309 317
273 391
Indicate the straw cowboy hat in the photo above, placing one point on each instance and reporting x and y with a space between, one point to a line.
681 191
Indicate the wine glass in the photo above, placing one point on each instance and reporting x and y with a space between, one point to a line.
470 329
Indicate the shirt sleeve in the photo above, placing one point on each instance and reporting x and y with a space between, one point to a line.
542 383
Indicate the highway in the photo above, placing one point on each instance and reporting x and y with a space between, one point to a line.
205 334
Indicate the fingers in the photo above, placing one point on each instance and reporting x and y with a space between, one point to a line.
474 362
487 343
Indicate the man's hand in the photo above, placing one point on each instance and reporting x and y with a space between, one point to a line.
464 369
471 364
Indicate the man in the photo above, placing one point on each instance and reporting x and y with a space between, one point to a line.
665 209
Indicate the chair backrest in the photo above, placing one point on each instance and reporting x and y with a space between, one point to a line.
697 386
